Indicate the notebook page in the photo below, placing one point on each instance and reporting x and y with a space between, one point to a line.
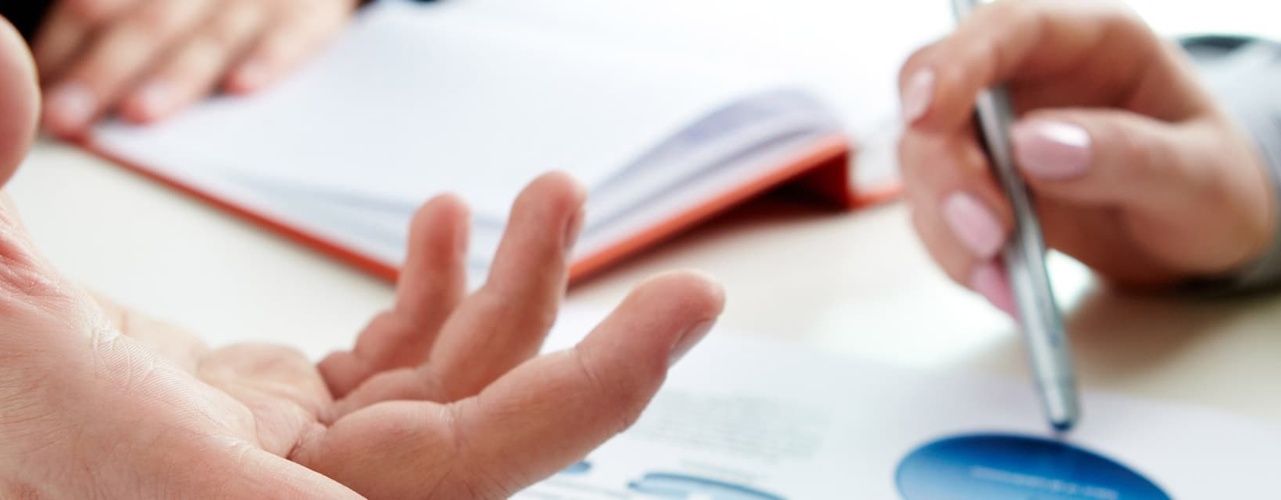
415 101
707 160
846 53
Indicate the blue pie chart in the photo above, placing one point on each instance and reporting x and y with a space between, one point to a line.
1013 467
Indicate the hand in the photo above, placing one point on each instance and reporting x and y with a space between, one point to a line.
442 397
148 59
1137 173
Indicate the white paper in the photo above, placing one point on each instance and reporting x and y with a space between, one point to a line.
802 424
413 102
847 53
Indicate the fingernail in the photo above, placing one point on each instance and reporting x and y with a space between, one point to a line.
573 227
1051 150
990 281
690 339
917 95
71 106
974 224
155 99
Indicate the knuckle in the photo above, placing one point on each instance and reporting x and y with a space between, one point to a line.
1008 23
1121 15
233 26
622 403
158 20
1133 151
929 164
1019 12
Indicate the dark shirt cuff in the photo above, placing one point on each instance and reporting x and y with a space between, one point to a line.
1245 76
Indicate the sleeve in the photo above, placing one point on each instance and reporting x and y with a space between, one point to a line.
1245 75
25 15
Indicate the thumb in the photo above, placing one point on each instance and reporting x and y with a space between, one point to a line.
19 100
1194 193
1111 157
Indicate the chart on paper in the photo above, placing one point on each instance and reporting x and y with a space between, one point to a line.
743 418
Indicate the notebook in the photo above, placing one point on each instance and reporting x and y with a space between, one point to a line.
668 112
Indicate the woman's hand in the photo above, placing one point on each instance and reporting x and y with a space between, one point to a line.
148 59
1137 173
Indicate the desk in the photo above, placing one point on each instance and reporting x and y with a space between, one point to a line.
858 284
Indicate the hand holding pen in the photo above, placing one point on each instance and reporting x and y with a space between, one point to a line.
1135 170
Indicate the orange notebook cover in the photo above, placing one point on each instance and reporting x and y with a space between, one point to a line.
414 101
824 173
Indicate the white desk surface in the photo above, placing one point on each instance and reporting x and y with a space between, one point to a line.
853 283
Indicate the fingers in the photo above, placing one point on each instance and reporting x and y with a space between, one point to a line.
236 469
533 421
1167 181
194 69
117 57
148 59
1031 41
504 323
19 101
300 31
566 404
1141 200
68 29
959 212
1125 191
1101 157
431 285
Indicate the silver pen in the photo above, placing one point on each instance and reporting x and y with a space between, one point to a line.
1047 346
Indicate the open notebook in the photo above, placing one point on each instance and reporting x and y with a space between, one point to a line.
667 111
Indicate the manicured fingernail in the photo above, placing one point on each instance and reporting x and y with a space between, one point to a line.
71 106
990 281
974 224
1051 150
918 95
155 98
690 339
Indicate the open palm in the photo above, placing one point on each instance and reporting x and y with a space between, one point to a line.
443 396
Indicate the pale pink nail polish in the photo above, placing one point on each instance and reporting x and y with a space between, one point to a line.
974 224
990 281
1051 150
918 94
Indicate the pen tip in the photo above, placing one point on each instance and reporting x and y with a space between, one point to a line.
1061 427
